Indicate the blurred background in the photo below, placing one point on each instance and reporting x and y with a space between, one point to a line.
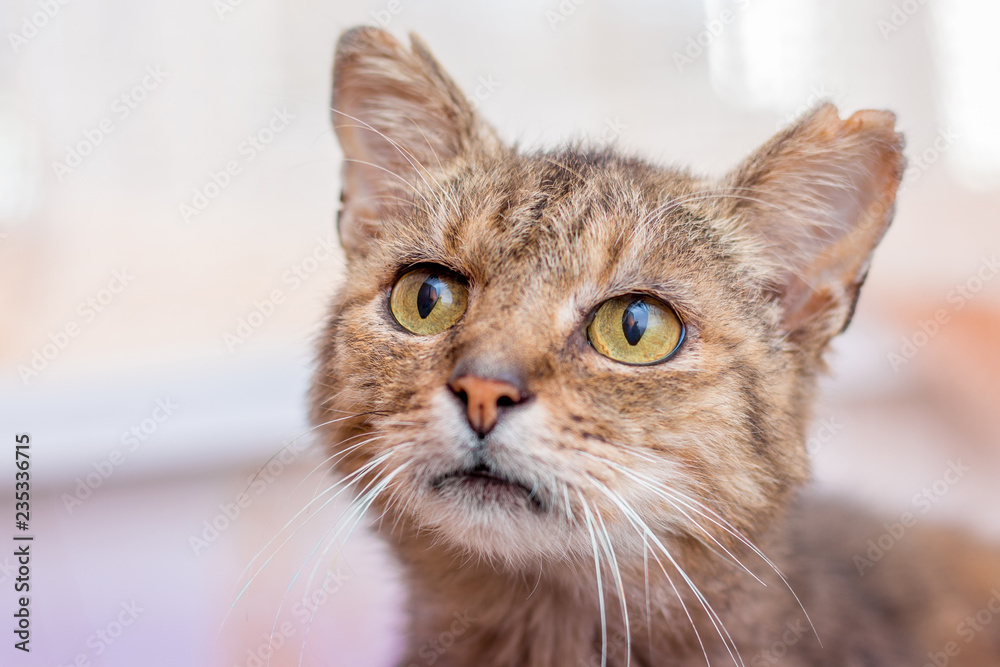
168 185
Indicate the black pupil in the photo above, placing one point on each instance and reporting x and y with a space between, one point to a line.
428 296
634 322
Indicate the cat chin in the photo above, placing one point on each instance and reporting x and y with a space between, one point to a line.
500 525
512 534
511 542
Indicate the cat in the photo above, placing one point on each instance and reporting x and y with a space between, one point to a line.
575 388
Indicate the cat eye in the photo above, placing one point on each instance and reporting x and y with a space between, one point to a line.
635 329
428 300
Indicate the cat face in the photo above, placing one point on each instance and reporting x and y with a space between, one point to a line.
535 352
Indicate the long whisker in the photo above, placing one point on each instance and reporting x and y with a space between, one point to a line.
759 553
700 509
649 485
600 586
716 620
289 444
644 530
316 497
345 483
616 571
362 506
355 504
645 580
330 461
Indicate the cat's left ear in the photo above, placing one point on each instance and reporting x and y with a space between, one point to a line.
819 197
397 115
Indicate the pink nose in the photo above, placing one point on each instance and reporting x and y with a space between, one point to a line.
483 399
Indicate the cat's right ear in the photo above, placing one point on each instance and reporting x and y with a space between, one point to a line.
397 115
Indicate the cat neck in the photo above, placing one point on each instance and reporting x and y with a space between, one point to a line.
465 610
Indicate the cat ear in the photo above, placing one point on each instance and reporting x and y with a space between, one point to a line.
396 115
819 196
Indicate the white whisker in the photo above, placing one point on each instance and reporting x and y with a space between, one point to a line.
600 586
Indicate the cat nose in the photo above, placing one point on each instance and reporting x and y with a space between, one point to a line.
483 398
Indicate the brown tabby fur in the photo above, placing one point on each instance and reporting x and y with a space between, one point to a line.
666 472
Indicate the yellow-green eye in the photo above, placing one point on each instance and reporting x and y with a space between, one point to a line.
427 300
635 329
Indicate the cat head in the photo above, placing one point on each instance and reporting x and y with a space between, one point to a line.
534 348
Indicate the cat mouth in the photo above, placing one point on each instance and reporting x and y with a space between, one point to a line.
485 485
